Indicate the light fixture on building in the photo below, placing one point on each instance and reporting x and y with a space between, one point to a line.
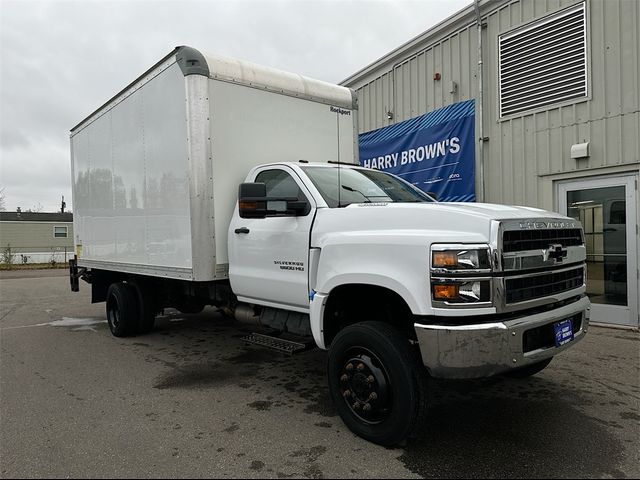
580 150
389 115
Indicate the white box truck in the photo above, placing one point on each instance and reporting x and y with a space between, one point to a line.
210 181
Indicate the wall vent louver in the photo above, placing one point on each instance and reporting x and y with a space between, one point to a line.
544 62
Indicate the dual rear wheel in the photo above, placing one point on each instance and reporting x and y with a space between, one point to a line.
131 309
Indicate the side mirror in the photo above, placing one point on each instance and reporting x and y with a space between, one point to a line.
298 207
252 200
433 195
254 203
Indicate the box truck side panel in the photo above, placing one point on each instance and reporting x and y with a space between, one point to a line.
131 204
250 127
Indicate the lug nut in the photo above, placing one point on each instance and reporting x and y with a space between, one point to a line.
370 379
344 378
366 407
356 405
349 367
360 367
346 393
373 396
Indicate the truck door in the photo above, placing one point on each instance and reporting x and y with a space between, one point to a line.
269 257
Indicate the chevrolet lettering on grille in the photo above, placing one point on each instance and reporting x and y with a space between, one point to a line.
540 225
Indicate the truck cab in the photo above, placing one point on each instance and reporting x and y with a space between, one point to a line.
479 289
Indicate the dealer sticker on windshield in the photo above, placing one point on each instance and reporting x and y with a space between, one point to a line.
564 332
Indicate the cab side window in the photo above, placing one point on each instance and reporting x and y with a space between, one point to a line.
280 184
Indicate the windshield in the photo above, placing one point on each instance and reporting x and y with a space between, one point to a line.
343 186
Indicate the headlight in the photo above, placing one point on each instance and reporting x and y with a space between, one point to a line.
459 259
460 274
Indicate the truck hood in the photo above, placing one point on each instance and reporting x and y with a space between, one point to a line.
438 222
494 211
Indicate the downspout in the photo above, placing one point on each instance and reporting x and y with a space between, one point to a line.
480 104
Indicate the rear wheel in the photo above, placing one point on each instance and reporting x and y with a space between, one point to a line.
148 308
529 370
122 309
377 383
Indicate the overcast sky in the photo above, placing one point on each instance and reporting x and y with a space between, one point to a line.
59 61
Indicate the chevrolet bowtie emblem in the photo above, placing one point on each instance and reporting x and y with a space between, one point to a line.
555 252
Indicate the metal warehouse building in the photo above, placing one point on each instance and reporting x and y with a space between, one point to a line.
554 89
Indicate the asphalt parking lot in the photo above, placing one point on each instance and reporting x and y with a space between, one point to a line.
191 400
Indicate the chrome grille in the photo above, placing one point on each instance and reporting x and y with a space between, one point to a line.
521 240
525 288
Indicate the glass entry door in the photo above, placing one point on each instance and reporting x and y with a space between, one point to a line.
607 209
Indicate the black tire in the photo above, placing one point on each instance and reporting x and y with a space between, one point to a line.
122 309
148 308
529 370
393 372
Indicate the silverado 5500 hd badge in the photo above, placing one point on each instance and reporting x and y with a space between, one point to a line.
286 265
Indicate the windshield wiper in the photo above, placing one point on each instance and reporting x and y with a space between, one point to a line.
349 189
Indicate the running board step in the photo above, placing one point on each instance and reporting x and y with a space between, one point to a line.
275 343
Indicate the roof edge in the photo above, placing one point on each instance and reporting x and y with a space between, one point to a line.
393 55
129 86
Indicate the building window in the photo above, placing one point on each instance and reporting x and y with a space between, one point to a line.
60 232
544 62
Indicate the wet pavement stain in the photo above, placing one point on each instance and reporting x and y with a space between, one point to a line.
255 357
541 435
323 424
233 428
196 376
629 416
260 405
320 404
309 454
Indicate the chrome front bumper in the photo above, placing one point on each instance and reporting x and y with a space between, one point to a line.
482 350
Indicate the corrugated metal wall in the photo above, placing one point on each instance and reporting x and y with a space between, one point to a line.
408 88
525 152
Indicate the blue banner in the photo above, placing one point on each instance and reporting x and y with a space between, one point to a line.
435 151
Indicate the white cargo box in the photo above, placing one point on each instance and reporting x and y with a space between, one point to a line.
156 169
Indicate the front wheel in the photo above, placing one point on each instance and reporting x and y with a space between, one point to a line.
377 383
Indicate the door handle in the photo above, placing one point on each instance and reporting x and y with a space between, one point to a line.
242 230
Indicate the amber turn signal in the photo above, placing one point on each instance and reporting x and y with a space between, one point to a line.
445 259
445 292
248 205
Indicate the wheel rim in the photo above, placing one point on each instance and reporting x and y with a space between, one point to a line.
365 386
113 314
